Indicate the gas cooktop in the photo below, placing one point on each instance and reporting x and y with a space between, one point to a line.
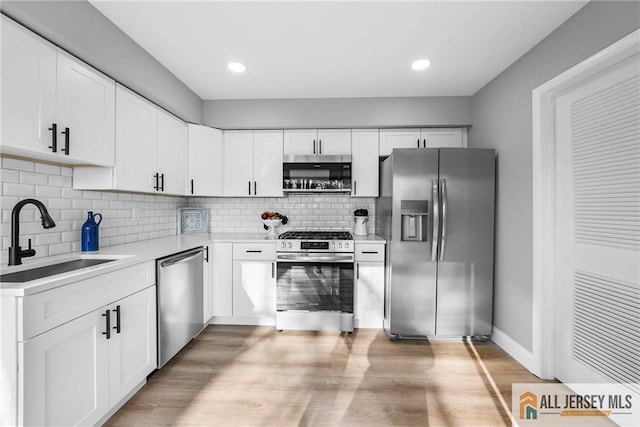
316 235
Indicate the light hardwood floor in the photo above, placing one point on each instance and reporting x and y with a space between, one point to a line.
246 376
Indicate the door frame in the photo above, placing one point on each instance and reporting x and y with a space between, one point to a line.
544 178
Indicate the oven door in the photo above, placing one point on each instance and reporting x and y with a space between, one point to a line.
315 282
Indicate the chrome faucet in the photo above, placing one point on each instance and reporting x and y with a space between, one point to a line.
15 251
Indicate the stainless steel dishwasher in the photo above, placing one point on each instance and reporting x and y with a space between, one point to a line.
180 302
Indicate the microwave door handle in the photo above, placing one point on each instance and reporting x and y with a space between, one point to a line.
435 206
443 236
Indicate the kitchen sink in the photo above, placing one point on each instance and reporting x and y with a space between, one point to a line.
53 269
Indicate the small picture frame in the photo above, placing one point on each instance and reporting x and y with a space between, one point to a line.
193 220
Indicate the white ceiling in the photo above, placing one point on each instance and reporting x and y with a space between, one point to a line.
310 49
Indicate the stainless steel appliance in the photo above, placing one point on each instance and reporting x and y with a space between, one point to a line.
180 301
314 285
316 174
436 211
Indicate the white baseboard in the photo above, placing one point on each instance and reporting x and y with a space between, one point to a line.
245 321
513 348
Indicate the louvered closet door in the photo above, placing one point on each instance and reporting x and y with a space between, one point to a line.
598 228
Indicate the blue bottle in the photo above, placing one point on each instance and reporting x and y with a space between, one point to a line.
90 234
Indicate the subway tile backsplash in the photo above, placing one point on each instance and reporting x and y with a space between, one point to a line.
129 217
126 217
305 212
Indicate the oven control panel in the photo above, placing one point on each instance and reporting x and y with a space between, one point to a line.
315 246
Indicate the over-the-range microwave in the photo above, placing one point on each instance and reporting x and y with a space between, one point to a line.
316 174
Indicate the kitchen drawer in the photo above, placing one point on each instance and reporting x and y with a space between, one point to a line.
254 251
48 309
369 252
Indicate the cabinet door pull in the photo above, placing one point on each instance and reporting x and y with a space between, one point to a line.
161 182
314 146
206 254
319 146
357 271
107 332
424 143
67 136
156 178
191 186
255 188
369 252
117 327
418 142
355 187
54 137
249 182
273 270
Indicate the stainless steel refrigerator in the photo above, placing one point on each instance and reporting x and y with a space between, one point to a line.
436 211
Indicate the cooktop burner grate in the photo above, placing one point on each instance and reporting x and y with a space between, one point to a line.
316 235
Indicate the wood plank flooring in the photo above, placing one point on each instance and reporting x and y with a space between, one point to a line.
256 376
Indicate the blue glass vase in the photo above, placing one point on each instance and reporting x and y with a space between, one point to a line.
90 232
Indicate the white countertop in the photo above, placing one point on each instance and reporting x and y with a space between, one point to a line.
127 255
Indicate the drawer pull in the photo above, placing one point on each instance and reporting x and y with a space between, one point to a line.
251 251
369 252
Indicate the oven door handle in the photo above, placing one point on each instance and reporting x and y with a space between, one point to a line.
316 258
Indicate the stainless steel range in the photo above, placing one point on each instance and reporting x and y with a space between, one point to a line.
315 280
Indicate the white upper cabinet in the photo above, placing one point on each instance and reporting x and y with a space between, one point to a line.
151 151
171 154
364 163
421 138
317 141
238 163
204 164
444 138
253 163
398 138
300 142
86 112
28 90
54 107
136 137
267 163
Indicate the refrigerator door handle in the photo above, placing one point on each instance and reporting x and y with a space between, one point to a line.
443 189
435 203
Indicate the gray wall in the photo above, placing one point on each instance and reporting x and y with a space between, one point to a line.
501 118
82 30
343 112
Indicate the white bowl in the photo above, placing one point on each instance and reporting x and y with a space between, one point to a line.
272 222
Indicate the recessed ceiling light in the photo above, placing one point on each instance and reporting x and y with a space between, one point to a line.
421 64
236 67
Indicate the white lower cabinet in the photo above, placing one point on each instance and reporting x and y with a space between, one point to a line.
243 285
75 373
72 354
65 374
369 285
133 346
254 282
222 278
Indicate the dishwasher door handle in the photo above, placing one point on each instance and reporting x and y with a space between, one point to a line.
179 260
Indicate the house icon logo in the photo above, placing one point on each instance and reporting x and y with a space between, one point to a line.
528 406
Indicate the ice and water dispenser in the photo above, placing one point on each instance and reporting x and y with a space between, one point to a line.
415 220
